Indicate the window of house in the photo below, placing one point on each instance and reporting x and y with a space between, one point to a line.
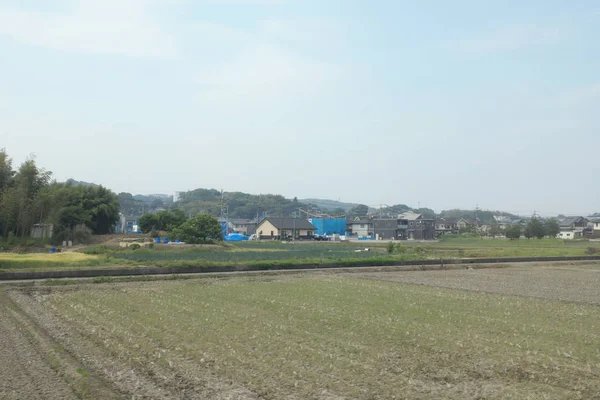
362 225
411 224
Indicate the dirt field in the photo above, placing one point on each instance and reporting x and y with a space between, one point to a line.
308 336
559 281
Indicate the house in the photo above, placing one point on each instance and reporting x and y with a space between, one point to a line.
417 226
244 226
462 223
362 228
573 227
42 231
594 227
445 226
389 229
407 226
283 228
127 224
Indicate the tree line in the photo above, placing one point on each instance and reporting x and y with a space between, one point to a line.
202 228
535 228
29 196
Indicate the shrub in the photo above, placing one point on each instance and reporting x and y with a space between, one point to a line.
134 246
390 247
81 234
591 250
102 249
400 248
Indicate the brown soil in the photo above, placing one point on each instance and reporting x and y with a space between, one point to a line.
115 377
568 281
35 366
24 374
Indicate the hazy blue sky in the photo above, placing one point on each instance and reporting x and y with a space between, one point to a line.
450 104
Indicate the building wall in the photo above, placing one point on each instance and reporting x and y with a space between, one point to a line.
566 234
42 231
421 229
266 227
361 230
386 229
596 226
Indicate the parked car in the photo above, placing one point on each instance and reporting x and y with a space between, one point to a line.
320 238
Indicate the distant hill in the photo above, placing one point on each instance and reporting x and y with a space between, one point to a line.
238 204
149 198
329 205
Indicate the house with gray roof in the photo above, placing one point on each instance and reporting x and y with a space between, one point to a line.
573 227
276 228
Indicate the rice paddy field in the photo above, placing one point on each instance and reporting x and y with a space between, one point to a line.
510 333
270 254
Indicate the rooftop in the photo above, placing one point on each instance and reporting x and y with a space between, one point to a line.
290 223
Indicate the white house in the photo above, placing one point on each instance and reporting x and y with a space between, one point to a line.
360 227
572 227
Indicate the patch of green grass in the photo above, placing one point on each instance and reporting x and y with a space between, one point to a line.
347 337
268 254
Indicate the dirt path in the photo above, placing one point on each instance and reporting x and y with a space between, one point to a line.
24 373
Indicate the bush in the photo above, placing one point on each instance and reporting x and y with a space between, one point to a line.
135 246
400 248
95 250
390 247
591 250
81 234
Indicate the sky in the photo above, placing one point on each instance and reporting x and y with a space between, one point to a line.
444 104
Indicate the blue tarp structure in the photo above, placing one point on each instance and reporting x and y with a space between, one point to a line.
329 226
236 237
224 228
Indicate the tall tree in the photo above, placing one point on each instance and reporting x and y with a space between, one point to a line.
513 231
199 229
6 171
551 227
534 228
360 210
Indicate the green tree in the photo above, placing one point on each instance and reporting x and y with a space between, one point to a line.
513 231
552 228
163 220
18 197
360 210
6 171
168 220
535 228
468 229
199 229
495 230
148 222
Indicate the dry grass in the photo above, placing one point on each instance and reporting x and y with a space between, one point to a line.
41 261
334 337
